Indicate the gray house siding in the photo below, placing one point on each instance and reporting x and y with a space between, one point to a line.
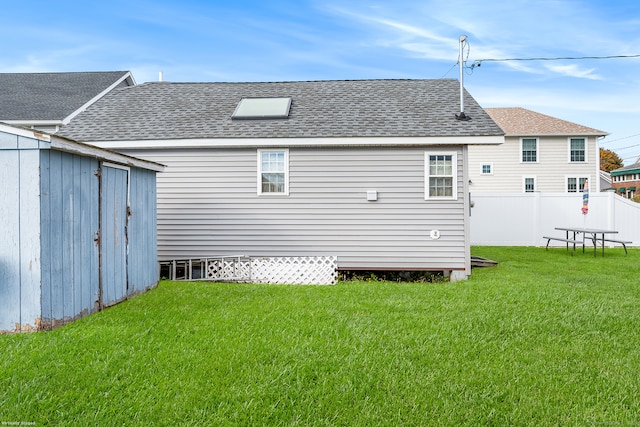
343 137
208 206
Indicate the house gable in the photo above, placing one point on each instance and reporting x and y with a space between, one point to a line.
48 100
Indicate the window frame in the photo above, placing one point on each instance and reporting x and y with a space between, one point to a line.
570 151
537 150
490 165
260 108
453 175
260 172
524 184
577 178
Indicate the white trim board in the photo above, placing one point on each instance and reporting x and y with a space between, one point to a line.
299 142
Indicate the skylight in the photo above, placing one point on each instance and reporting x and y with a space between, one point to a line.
262 108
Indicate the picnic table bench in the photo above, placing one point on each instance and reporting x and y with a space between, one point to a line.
595 235
624 243
566 240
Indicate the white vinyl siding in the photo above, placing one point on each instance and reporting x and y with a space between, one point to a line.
208 206
550 170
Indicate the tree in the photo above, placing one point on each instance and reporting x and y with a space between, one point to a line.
609 160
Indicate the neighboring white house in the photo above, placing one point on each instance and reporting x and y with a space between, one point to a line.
540 154
46 101
373 172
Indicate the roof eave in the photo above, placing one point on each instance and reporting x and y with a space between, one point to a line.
301 142
566 134
75 147
34 122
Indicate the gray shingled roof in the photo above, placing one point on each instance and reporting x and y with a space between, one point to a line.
319 109
50 96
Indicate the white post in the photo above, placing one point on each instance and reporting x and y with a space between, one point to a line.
461 116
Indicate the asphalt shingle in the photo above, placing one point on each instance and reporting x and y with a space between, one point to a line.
523 122
50 96
319 109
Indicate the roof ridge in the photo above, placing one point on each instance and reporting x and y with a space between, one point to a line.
68 72
299 81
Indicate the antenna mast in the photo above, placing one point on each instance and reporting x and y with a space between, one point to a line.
462 115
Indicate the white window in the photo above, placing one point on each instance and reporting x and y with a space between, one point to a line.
441 176
486 169
529 150
575 184
273 172
529 184
577 150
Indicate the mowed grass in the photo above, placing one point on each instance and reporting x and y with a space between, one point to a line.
543 339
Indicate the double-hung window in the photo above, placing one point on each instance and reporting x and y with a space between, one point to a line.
440 176
577 150
529 150
273 172
575 184
529 184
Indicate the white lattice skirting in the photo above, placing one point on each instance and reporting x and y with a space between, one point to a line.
319 270
229 268
314 270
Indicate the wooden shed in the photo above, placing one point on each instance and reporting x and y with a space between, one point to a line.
77 231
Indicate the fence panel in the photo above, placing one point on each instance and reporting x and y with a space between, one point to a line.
521 219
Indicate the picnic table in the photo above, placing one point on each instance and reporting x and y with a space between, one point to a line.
578 235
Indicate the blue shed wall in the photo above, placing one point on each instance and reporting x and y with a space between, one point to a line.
19 233
51 269
143 231
69 212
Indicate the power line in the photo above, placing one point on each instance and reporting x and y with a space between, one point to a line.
558 58
620 139
626 148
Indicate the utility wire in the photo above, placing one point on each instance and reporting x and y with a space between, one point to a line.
620 139
559 58
627 147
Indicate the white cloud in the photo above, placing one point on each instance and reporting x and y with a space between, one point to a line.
573 70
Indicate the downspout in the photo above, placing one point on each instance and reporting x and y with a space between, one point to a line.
598 138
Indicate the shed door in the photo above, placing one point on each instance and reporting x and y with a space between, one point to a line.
114 197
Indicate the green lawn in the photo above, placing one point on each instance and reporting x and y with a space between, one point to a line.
543 339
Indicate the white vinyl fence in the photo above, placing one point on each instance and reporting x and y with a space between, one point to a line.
521 219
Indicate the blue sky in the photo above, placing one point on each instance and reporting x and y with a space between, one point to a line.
284 40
